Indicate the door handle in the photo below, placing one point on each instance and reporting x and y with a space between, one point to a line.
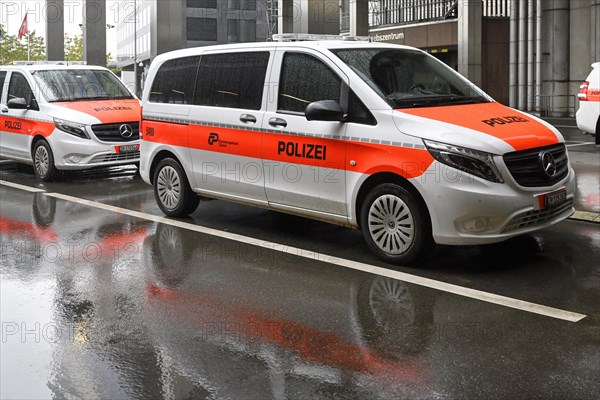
4 109
278 122
248 118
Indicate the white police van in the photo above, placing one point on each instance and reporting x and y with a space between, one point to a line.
380 137
60 117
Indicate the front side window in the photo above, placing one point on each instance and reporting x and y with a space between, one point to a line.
2 78
67 85
232 80
174 81
409 78
303 80
19 87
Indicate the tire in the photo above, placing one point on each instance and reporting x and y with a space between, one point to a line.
43 162
395 225
172 190
598 132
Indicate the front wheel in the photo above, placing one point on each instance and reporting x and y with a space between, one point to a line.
395 225
172 190
43 161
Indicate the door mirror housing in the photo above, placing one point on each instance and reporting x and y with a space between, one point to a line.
17 104
324 110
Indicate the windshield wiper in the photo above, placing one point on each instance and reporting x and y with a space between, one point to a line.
438 101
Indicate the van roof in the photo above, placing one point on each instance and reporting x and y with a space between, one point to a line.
46 67
322 44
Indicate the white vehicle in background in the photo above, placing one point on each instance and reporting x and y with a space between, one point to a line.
60 117
588 115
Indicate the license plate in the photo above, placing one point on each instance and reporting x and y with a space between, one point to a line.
555 198
128 148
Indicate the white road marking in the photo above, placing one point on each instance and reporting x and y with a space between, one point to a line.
21 187
402 276
580 144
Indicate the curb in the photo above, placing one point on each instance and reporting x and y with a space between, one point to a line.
587 216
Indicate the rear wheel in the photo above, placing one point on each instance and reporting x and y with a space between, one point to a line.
394 224
172 190
598 131
43 161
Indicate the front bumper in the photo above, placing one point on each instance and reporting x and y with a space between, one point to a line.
73 153
466 210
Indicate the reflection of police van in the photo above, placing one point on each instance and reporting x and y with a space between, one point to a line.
376 136
66 117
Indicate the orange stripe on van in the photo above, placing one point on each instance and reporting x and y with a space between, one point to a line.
319 152
28 126
517 129
107 111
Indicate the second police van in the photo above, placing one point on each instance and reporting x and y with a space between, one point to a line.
380 137
66 117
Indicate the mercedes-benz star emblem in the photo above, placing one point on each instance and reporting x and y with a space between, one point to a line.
548 163
126 131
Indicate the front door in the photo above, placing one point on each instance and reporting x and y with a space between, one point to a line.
304 160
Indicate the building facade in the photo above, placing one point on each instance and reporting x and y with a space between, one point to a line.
151 27
529 54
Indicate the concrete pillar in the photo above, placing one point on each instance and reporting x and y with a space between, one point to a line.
555 19
538 55
55 30
513 57
285 16
309 16
522 67
359 17
470 15
530 54
595 30
94 32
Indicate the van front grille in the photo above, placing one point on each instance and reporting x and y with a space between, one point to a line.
112 132
527 168
105 158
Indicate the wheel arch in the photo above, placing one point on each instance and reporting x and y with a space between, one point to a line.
34 140
387 177
161 155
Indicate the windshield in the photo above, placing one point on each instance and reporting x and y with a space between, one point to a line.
408 78
80 85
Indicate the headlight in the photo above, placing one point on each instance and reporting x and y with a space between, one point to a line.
478 163
72 128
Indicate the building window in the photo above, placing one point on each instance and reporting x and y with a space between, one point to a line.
242 4
305 79
174 80
202 3
232 80
241 30
202 29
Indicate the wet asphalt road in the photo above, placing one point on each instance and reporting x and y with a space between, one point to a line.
96 303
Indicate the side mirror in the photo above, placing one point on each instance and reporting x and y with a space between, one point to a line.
18 104
324 110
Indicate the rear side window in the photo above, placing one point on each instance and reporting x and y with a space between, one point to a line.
174 81
305 79
19 87
232 80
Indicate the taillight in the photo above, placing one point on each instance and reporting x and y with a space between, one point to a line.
583 91
141 123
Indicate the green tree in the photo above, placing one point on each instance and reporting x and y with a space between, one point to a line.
73 48
12 49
